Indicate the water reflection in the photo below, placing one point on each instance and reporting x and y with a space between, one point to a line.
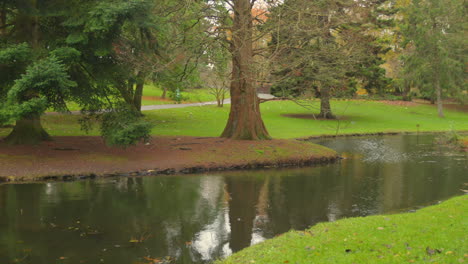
195 219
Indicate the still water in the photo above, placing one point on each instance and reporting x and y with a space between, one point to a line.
200 218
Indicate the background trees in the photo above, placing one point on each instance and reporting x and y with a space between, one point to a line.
96 53
104 52
434 33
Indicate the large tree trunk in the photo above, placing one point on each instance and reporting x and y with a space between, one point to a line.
325 108
245 121
439 97
27 131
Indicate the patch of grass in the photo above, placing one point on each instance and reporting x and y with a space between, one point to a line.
361 117
436 234
190 95
150 90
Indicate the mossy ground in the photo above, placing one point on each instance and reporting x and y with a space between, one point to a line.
435 234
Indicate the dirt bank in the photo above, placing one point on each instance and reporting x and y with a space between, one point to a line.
68 158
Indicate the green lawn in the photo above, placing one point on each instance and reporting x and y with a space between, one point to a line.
189 95
150 90
435 234
359 117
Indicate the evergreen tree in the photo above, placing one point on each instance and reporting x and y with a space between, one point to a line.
435 34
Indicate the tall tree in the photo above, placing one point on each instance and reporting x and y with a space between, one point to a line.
314 48
435 32
245 121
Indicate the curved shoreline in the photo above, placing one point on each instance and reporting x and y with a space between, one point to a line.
379 134
187 165
172 171
77 158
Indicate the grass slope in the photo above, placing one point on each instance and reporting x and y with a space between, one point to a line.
435 234
358 117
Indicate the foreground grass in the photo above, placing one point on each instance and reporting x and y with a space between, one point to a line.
435 234
357 117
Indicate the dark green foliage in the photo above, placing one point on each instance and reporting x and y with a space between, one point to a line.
13 61
124 127
45 84
324 45
22 94
435 38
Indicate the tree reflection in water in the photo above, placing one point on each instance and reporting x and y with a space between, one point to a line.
195 219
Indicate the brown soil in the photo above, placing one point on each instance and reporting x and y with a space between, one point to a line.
400 103
447 104
457 107
68 158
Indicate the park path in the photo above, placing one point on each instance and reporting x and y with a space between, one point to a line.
169 106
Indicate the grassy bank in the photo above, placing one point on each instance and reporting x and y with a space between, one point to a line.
355 117
435 234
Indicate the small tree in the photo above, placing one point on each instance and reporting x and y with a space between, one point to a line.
219 88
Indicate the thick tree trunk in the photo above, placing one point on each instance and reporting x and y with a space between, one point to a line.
27 131
439 97
325 108
245 121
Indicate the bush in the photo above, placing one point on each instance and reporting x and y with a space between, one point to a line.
123 127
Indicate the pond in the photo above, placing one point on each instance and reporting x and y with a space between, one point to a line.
200 218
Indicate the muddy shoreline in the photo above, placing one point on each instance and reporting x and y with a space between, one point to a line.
78 158
170 155
173 171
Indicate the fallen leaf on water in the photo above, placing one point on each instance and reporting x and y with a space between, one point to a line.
154 260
